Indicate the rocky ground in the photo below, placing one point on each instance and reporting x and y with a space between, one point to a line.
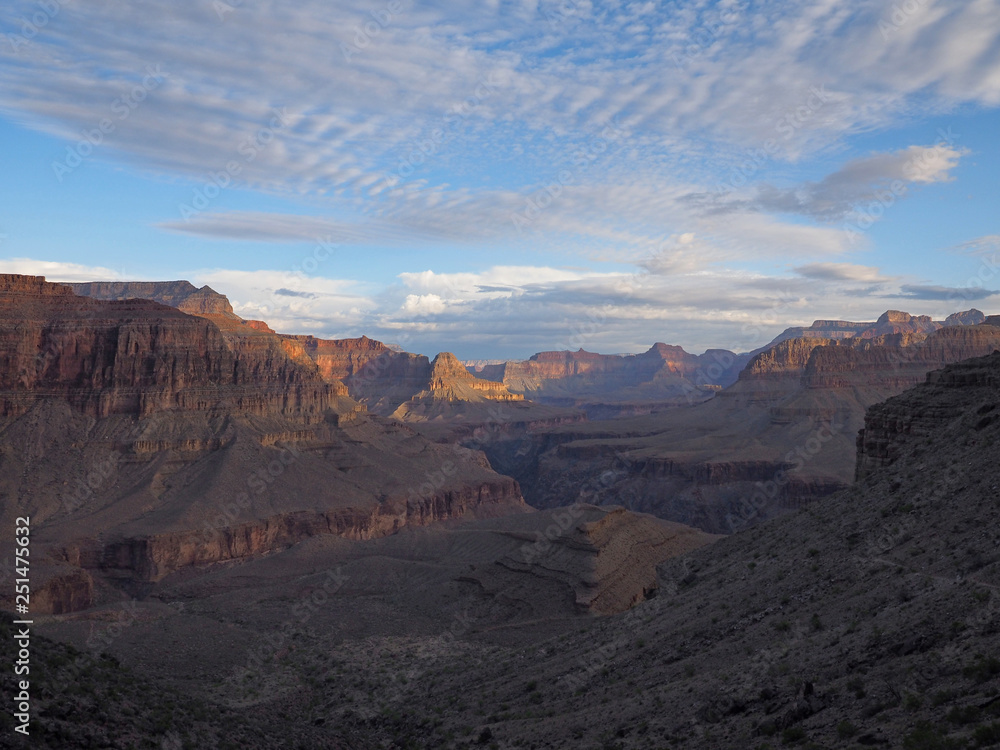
870 619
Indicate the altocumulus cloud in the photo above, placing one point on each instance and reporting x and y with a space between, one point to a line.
691 86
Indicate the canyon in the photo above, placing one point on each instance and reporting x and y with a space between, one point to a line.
868 618
141 440
782 435
718 440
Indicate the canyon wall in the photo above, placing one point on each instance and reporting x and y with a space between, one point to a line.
136 357
782 435
141 439
611 385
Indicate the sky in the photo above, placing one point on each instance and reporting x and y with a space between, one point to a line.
497 178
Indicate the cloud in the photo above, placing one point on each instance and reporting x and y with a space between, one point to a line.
58 270
840 272
423 304
989 243
944 293
259 226
881 177
434 106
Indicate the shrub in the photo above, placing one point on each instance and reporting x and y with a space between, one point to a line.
983 668
927 737
793 735
846 729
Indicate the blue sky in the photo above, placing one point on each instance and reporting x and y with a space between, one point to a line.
499 178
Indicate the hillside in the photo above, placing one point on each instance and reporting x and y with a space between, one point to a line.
871 618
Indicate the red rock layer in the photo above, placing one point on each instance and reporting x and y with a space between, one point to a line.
136 357
583 371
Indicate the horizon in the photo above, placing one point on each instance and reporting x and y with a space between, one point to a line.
471 359
508 179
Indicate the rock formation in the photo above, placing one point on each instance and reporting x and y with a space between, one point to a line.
135 357
890 322
608 385
605 557
377 376
448 384
783 434
867 619
180 294
141 439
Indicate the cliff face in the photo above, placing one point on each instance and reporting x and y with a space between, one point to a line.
448 379
782 435
897 427
896 362
895 321
149 558
606 371
391 382
891 362
834 330
141 439
604 559
890 322
341 359
612 384
385 381
135 357
786 359
453 394
180 294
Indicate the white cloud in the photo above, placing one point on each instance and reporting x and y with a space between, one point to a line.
58 270
889 175
423 304
450 85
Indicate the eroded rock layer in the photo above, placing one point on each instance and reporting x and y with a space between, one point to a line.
136 357
140 439
602 558
782 435
611 384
